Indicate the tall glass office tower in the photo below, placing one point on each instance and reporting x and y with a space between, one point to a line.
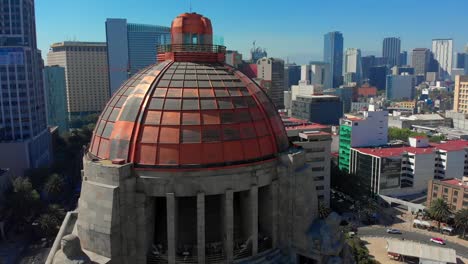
24 137
391 50
131 47
333 55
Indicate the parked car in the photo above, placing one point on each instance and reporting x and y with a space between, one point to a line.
438 240
393 231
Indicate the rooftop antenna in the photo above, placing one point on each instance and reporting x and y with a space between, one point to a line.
190 2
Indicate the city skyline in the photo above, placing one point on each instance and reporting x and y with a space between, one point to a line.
301 34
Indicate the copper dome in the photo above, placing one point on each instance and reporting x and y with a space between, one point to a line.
183 114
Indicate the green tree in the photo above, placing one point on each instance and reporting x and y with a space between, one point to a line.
360 252
54 186
461 220
24 200
48 224
439 211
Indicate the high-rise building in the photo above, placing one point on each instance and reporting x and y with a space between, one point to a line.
366 63
443 53
460 101
333 55
270 71
466 60
420 60
86 75
292 75
459 61
403 58
24 137
400 87
377 76
315 73
391 50
353 63
131 47
56 94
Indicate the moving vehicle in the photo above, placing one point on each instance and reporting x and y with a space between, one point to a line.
393 231
438 240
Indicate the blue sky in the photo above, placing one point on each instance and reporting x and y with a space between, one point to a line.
291 29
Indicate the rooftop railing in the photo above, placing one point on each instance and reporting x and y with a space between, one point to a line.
191 48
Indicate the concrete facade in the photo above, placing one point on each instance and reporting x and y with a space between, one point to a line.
267 205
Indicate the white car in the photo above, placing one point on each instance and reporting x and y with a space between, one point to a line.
393 231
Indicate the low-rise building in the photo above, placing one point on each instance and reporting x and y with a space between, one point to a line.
316 141
404 170
453 191
427 120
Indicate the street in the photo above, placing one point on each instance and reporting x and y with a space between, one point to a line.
381 231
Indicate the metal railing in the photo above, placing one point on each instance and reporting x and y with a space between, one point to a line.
191 48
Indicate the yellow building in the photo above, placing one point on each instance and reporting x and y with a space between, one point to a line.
460 103
406 104
86 74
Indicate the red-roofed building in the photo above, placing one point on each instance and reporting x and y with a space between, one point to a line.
404 170
453 191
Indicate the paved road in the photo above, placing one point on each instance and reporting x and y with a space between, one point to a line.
378 231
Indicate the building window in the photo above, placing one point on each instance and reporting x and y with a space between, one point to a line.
319 178
454 200
318 169
434 195
320 188
321 197
445 190
436 188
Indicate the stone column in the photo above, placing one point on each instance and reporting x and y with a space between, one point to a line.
274 192
171 205
201 227
254 218
229 225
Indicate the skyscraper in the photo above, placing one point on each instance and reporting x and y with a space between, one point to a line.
443 52
333 55
270 71
24 137
391 50
315 73
420 60
131 47
353 64
377 76
292 75
403 58
56 93
459 61
86 74
400 87
366 63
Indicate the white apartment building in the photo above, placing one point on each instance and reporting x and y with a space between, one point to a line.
443 54
406 170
